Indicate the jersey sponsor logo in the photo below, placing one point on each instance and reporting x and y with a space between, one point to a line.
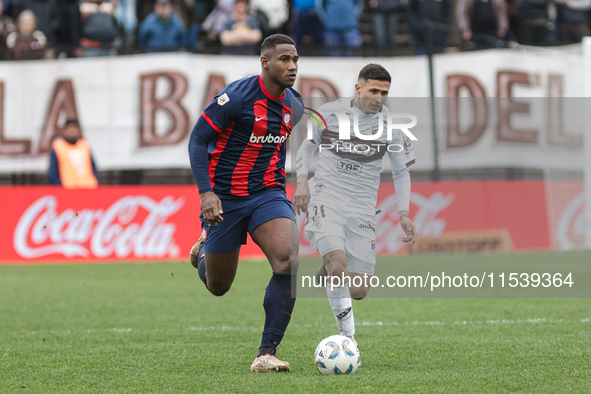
256 119
223 99
268 138
367 226
349 167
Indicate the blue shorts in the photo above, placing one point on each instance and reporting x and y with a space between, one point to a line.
242 215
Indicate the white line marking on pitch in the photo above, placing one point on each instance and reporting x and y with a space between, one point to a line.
363 323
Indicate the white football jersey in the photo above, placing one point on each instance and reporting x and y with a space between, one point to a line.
348 172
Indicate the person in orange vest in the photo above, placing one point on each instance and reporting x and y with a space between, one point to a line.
70 160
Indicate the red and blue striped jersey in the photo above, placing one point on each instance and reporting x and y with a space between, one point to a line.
246 129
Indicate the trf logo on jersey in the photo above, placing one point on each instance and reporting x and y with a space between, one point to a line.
349 167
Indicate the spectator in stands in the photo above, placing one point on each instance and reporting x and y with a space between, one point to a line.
305 20
572 20
218 18
27 42
483 22
341 24
272 14
126 15
70 161
99 28
384 15
534 24
241 35
7 26
162 30
67 33
436 11
45 12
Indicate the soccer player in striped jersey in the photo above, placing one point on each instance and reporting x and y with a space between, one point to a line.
237 151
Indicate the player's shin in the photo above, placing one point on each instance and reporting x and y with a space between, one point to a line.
279 302
342 306
201 268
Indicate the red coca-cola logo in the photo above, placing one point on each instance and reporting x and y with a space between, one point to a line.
132 227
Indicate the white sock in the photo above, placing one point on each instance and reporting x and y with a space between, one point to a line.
342 306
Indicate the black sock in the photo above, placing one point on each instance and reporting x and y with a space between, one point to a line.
278 306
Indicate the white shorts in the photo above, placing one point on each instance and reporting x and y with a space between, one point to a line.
356 231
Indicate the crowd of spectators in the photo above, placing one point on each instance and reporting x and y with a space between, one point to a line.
33 29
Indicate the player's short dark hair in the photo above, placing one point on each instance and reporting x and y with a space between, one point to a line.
70 121
276 39
375 71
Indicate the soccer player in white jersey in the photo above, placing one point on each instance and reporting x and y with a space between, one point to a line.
340 200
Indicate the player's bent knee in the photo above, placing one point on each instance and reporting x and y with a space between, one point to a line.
285 264
358 293
218 290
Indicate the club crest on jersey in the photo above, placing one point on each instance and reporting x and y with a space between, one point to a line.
319 187
223 99
286 118
406 143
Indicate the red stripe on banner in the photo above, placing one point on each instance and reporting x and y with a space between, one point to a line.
251 151
210 122
220 145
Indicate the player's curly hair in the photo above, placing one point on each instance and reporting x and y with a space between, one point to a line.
276 39
374 71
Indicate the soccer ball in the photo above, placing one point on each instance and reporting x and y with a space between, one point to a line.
337 355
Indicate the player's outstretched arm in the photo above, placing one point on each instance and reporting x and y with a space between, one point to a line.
303 159
400 162
409 228
225 108
402 189
301 198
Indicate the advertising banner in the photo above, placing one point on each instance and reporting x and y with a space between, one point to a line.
137 112
161 223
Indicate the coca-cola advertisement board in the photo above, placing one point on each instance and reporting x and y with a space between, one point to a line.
111 223
161 223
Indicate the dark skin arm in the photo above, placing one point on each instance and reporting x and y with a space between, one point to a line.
211 206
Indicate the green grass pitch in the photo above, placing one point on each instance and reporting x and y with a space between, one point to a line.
154 328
